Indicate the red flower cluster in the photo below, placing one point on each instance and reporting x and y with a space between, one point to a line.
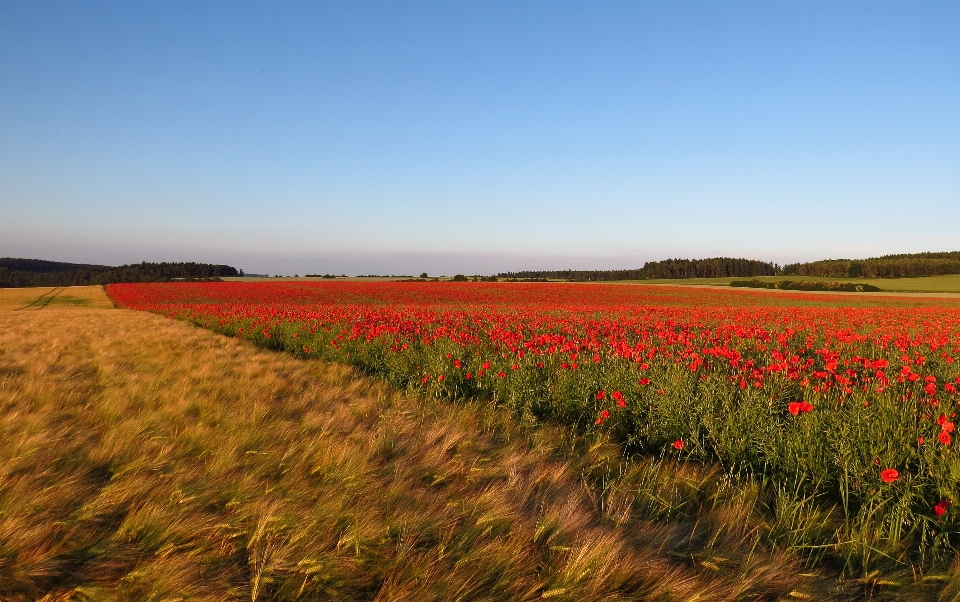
946 427
796 407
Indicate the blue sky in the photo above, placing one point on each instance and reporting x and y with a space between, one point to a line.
477 137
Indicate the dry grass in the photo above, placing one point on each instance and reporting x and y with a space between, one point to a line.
145 459
34 299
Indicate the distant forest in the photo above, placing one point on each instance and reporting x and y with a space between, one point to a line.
887 266
717 267
36 272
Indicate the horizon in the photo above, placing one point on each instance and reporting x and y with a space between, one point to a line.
413 274
477 137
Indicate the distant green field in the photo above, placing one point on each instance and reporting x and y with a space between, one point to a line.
927 284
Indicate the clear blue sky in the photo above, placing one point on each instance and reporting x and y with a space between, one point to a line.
475 137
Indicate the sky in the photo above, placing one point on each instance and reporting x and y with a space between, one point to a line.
477 137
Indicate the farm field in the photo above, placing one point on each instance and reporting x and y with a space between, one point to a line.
146 459
33 299
190 465
844 405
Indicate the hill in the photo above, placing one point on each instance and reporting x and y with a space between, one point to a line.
18 272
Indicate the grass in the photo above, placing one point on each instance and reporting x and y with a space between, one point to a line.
146 459
34 299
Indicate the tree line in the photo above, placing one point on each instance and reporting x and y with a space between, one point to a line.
16 272
715 267
886 266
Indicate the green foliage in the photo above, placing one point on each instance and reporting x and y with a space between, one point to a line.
806 285
717 267
34 272
887 266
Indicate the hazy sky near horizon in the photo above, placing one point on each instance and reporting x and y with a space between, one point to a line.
476 137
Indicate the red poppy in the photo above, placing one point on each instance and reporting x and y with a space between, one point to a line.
502 374
601 394
618 397
944 437
679 444
940 508
889 475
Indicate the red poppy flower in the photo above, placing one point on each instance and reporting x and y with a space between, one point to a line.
601 394
940 508
679 444
889 475
502 374
944 437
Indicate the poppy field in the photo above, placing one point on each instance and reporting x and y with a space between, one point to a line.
840 402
